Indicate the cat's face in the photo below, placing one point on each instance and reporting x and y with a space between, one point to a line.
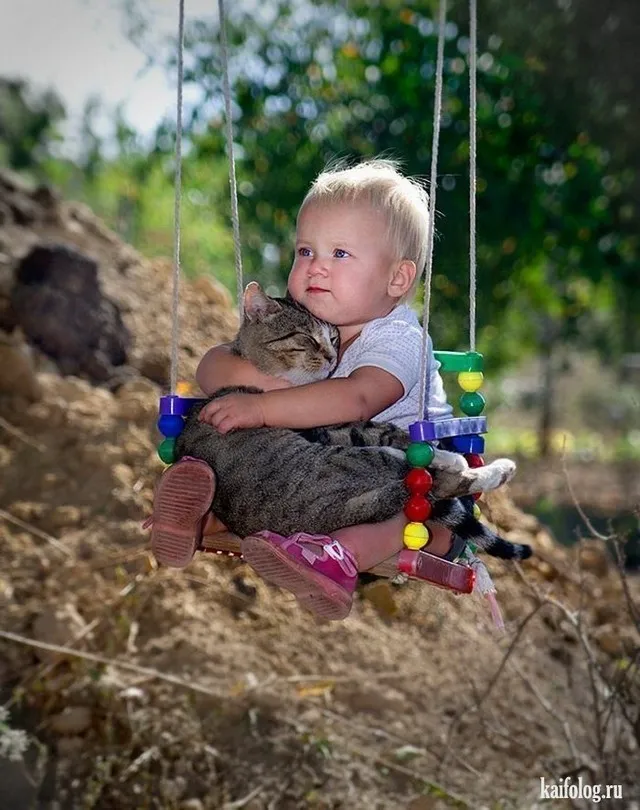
284 339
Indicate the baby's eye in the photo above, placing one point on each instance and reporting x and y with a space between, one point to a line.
340 253
304 251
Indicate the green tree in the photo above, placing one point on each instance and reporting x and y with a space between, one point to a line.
28 124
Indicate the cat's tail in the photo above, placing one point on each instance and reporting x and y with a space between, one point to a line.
454 515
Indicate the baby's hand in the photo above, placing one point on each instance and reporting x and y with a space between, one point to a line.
233 411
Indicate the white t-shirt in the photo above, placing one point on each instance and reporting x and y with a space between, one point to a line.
394 344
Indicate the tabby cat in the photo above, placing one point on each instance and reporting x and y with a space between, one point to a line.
318 480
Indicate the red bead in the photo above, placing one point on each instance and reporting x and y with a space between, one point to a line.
418 481
477 496
417 509
474 460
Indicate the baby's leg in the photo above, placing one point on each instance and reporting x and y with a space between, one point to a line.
181 504
371 543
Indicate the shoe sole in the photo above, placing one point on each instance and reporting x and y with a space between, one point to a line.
181 503
313 590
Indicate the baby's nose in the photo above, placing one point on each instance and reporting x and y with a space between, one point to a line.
318 265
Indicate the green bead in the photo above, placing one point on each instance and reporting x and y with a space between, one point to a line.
167 451
419 454
472 403
460 361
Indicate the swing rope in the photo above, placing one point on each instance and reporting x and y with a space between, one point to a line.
235 218
233 188
473 171
433 184
175 324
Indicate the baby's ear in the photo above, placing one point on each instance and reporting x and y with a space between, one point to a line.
257 303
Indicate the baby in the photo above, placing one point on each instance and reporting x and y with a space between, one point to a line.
361 246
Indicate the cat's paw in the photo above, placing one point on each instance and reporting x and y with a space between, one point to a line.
451 462
493 475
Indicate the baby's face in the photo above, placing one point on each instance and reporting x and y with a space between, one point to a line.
343 265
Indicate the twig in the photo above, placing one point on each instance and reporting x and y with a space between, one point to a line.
437 788
457 719
239 803
37 532
14 431
389 735
553 712
101 659
635 616
577 505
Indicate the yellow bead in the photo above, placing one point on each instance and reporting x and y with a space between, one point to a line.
416 535
470 381
477 512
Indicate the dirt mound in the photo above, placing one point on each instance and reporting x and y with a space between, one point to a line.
140 290
208 689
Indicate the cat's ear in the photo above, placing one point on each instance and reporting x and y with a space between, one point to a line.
257 303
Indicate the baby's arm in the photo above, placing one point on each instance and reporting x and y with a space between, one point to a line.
366 392
220 368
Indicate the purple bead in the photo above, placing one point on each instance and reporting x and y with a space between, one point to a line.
174 405
429 431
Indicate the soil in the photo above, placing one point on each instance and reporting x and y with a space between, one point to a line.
205 688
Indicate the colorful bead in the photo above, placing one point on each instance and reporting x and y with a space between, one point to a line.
474 460
467 444
416 535
470 380
472 403
167 450
460 361
477 512
431 431
417 509
418 481
420 454
170 425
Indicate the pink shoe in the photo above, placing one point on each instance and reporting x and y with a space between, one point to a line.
320 572
180 507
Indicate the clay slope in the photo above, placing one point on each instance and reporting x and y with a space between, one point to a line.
412 702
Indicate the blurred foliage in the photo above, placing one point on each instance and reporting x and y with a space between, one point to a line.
319 81
557 249
28 124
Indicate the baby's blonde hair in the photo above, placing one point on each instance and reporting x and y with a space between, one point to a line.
402 200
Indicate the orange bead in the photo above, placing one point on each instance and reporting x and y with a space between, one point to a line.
418 481
417 509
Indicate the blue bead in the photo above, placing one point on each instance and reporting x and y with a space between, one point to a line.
467 444
170 425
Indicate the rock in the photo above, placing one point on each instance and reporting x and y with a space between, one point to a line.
70 746
63 516
54 627
58 301
17 371
155 365
593 557
616 641
605 612
191 804
137 401
71 721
